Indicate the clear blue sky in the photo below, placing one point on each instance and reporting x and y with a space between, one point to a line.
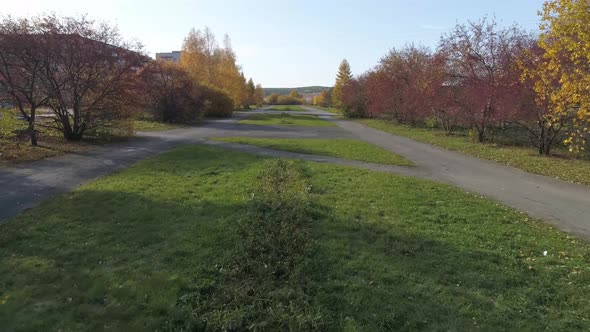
290 43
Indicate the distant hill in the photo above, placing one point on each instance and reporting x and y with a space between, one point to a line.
302 90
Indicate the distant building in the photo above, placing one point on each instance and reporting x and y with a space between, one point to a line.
173 56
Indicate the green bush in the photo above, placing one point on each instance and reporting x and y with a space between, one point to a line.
262 286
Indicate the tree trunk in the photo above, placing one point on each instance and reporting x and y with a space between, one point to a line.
481 133
32 131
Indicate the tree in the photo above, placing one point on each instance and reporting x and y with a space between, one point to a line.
214 66
295 94
415 73
251 93
170 94
478 56
533 111
353 98
273 98
198 50
344 75
565 41
324 99
90 74
258 95
83 71
21 68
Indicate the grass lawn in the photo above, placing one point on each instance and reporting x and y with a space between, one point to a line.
14 150
524 158
52 143
148 125
329 109
285 119
341 148
385 253
290 108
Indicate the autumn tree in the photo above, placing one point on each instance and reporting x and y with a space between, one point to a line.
412 70
170 94
476 55
295 94
273 98
381 95
83 71
21 68
565 39
91 74
353 98
533 111
198 53
258 95
324 99
251 88
214 66
342 77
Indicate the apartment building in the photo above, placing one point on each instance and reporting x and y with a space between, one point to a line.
173 56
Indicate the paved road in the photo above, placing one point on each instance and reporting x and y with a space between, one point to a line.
565 205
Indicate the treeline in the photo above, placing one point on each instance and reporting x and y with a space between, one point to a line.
486 78
293 98
89 78
206 82
215 67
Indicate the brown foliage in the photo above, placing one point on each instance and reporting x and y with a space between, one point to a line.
170 94
83 71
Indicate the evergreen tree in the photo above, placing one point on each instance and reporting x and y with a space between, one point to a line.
344 75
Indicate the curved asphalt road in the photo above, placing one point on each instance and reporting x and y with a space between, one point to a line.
565 205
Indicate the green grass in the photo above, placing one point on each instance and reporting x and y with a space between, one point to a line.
340 148
290 108
285 119
519 157
386 252
329 109
149 125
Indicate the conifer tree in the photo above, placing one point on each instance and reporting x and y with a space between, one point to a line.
344 75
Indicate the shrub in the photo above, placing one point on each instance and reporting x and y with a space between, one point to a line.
217 102
168 92
276 99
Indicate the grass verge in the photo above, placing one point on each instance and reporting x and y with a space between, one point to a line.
285 119
340 148
145 248
148 125
329 109
523 158
289 108
52 143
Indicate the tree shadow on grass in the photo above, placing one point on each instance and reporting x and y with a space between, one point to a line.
92 259
118 254
373 276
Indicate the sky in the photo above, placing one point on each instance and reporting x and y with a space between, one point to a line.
290 43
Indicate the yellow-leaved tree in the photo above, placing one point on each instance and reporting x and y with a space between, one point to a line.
214 66
565 39
344 75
